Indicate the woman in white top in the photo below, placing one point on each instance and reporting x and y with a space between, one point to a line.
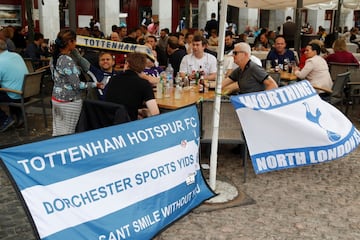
316 69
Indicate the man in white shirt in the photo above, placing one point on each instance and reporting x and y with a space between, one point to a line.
198 60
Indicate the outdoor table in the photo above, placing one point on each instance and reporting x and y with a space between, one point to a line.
286 76
283 77
188 97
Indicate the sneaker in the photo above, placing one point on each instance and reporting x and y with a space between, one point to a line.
6 124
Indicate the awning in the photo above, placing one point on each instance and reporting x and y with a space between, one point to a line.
271 4
333 5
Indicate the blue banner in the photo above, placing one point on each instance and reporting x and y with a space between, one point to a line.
127 181
292 126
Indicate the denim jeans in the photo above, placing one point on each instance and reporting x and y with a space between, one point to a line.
14 111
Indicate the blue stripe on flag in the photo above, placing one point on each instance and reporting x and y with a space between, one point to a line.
66 193
291 126
115 144
289 158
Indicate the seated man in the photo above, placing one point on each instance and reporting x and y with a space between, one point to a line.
96 33
175 53
229 42
122 33
199 60
37 50
280 52
248 77
131 37
262 44
102 74
114 36
132 91
160 54
12 73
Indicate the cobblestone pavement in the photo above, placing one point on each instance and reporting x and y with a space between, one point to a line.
314 202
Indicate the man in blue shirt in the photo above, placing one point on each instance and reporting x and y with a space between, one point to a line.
280 52
12 71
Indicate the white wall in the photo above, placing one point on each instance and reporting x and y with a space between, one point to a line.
163 8
248 17
205 9
277 18
316 18
49 18
347 18
109 15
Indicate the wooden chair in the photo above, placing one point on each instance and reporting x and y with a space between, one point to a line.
30 94
29 65
230 130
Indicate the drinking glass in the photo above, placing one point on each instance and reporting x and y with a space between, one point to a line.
293 66
268 65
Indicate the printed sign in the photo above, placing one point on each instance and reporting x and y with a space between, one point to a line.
127 181
292 126
109 45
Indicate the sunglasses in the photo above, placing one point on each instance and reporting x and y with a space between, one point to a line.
236 52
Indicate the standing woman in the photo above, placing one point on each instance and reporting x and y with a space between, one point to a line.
66 95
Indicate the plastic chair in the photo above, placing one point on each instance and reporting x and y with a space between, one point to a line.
338 90
230 130
354 87
277 77
30 94
338 93
336 68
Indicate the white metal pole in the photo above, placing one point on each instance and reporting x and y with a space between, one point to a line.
216 111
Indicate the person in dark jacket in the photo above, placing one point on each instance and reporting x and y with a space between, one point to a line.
132 91
289 31
37 50
212 24
175 54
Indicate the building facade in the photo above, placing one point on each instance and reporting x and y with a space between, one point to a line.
52 15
